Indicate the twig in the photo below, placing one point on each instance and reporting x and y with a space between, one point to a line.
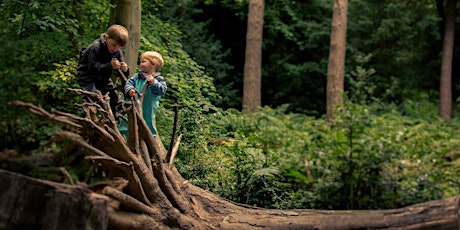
307 168
174 149
91 172
176 112
67 177
77 139
123 77
41 112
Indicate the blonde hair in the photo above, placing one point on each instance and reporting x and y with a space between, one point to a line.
154 57
118 33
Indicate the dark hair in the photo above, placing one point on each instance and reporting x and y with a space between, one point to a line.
118 33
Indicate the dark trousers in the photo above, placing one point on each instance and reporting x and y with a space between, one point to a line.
115 99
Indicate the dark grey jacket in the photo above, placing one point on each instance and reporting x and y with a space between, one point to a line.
94 68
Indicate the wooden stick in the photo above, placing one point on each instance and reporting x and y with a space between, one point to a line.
171 144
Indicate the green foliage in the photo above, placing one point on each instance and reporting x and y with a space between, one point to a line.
201 45
369 159
404 41
189 87
418 105
242 159
295 51
387 148
360 88
56 84
35 36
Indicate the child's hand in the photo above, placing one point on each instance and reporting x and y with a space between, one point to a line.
115 63
132 92
123 66
150 79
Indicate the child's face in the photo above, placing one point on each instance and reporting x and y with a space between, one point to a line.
112 46
146 66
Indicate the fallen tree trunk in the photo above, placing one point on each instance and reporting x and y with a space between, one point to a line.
439 214
37 204
153 195
28 203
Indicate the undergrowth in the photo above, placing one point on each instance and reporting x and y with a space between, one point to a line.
365 160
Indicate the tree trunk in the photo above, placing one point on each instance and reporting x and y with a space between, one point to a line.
27 203
336 64
36 204
152 194
253 57
128 14
445 91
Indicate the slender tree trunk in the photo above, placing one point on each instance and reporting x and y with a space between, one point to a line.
253 57
336 64
128 14
78 14
445 91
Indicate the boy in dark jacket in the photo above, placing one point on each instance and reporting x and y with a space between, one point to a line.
100 60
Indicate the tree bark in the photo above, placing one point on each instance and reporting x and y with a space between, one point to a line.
36 204
27 203
253 57
153 195
445 91
336 64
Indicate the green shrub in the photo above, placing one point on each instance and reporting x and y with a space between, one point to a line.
368 159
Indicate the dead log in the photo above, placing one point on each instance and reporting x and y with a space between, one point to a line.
28 203
37 204
156 187
439 214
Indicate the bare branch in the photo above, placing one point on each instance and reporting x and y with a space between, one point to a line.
67 176
145 154
101 102
131 202
122 77
77 139
174 150
133 130
173 135
41 112
134 185
117 183
140 143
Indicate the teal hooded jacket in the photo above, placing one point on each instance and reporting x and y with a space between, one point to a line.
151 99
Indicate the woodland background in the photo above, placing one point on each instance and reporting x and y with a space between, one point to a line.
388 148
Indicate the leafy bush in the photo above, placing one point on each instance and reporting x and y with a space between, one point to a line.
55 86
366 160
189 87
35 35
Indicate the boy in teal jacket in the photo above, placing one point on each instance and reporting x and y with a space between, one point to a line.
150 63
